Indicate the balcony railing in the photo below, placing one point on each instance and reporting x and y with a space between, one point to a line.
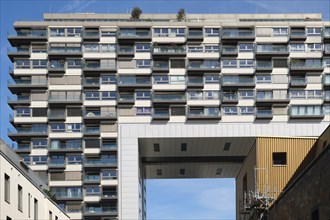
100 162
56 115
65 146
203 113
238 81
161 65
264 65
306 65
195 81
264 113
298 34
27 82
33 131
169 50
92 178
272 49
100 210
109 146
64 98
19 99
134 34
28 34
327 48
56 163
68 195
229 49
126 98
99 114
236 33
98 66
134 81
298 82
92 130
169 97
161 113
204 65
231 97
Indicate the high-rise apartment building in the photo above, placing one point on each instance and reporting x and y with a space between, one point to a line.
103 102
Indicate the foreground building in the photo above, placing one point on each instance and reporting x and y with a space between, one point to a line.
21 191
104 102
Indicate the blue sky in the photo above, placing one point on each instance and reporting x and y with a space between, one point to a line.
167 199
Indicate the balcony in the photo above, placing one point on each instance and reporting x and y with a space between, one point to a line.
99 115
100 211
20 148
100 162
169 50
308 65
64 99
326 80
56 66
210 65
298 34
68 195
327 49
229 50
237 34
160 114
327 96
134 34
306 112
169 98
195 35
98 67
18 52
298 82
91 131
128 51
195 81
65 147
264 114
57 115
270 99
26 85
229 97
109 146
19 99
109 195
126 98
64 51
232 81
326 34
91 82
92 179
264 65
29 131
126 81
26 36
272 50
204 113
161 66
56 163
91 35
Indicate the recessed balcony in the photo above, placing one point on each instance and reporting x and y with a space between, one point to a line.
169 98
206 65
237 34
264 114
169 50
160 114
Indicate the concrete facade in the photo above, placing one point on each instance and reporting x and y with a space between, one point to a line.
102 102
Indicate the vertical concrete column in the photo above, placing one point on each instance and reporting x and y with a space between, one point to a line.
129 184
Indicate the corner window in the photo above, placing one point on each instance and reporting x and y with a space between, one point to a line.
279 159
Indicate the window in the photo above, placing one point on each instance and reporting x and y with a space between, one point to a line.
161 80
91 95
177 32
246 63
297 47
74 159
143 63
211 79
20 198
211 32
142 47
109 174
211 95
143 95
108 80
39 64
314 31
7 188
211 49
246 110
88 48
50 217
264 79
246 94
279 158
74 32
246 47
178 80
22 64
73 64
92 190
280 31
143 111
314 47
39 160
306 110
264 95
35 209
195 95
326 62
108 95
39 143
57 127
107 48
230 110
161 32
57 32
229 63
75 127
23 112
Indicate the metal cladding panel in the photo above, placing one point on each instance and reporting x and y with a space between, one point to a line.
278 175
